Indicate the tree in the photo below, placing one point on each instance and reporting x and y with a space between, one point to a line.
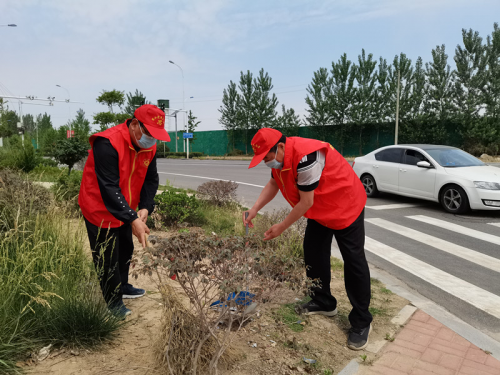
70 151
365 94
29 124
81 126
134 101
246 105
192 125
103 119
230 112
342 94
8 122
440 83
264 105
491 91
111 98
288 123
319 100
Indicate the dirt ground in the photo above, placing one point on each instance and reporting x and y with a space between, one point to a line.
278 350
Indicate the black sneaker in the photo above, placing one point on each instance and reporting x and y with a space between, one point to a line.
120 310
358 337
130 292
313 308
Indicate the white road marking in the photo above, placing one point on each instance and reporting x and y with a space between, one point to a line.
495 224
451 248
457 228
393 206
210 178
461 289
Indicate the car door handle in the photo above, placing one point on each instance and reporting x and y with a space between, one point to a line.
375 166
402 170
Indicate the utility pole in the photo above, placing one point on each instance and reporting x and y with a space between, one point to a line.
397 110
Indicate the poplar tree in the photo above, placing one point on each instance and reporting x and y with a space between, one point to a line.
341 95
319 100
230 118
289 122
264 113
246 105
365 94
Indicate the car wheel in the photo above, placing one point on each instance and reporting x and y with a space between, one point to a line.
370 185
454 199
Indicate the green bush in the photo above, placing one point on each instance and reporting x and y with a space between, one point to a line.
22 158
47 173
175 208
236 152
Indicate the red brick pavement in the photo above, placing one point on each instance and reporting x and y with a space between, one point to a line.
426 347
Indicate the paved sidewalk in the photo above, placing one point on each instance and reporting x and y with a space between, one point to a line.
426 347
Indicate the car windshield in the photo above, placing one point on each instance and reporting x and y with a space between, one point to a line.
453 158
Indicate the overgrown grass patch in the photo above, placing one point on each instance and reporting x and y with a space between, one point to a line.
49 293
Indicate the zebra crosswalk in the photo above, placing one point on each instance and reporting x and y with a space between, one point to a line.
463 288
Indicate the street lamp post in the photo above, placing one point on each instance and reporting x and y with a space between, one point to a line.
69 108
183 105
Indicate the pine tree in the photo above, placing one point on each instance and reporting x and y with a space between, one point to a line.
81 126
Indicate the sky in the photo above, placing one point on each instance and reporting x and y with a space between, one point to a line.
94 45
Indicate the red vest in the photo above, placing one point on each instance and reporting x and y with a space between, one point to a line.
339 197
132 166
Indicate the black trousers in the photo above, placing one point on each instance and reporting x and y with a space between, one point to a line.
317 252
111 252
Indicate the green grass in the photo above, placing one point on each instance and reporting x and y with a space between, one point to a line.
50 293
384 290
336 264
287 315
376 311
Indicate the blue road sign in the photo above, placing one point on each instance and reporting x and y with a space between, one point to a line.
187 135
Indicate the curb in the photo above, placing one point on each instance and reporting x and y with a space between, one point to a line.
399 320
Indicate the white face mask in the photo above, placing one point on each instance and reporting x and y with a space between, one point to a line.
146 141
274 164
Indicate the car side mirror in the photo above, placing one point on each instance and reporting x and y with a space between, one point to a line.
424 164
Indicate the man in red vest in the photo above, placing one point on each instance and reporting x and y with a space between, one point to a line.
320 185
119 177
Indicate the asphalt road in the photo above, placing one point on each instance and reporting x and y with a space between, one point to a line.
453 260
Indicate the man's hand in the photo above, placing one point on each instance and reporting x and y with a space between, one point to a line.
274 231
143 215
140 229
248 220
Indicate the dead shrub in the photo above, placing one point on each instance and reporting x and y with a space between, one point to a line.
219 192
224 280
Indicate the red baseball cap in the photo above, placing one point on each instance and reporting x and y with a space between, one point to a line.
262 142
153 119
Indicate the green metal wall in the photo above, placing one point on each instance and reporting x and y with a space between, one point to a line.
217 142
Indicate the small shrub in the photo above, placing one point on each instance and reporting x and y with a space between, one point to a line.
66 190
175 208
208 270
219 192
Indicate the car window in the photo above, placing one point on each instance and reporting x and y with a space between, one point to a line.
412 157
391 155
454 158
